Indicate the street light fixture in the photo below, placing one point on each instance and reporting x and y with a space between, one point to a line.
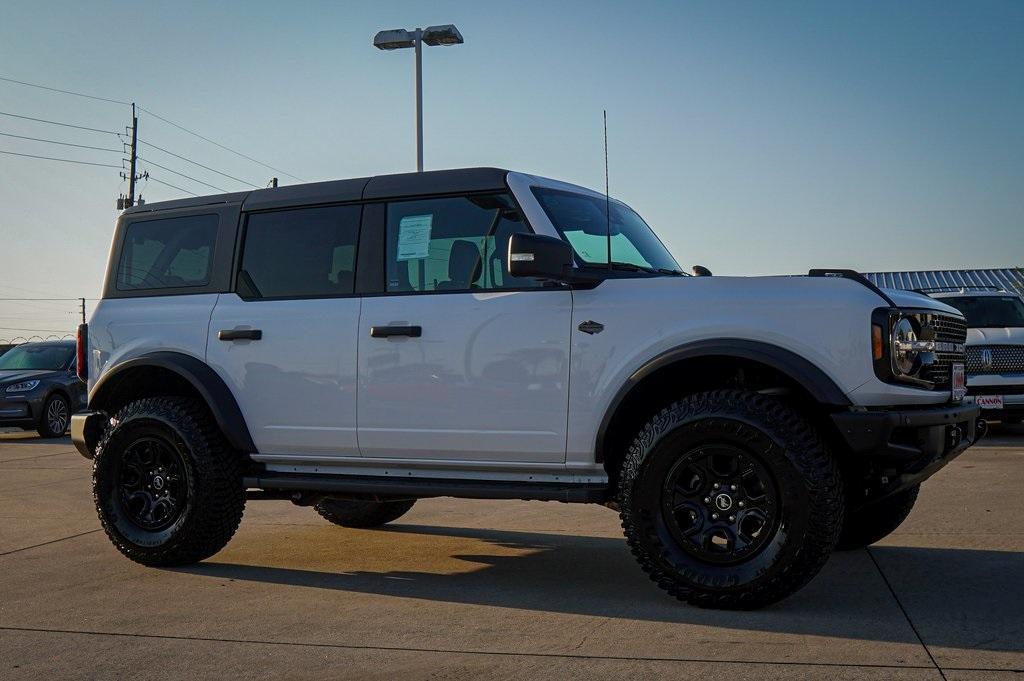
400 38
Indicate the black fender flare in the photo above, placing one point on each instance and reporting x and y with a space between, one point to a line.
210 386
811 378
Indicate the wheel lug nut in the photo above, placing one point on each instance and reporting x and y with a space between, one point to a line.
714 516
740 504
733 487
707 500
732 519
716 485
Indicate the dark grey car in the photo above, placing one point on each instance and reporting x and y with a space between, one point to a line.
39 388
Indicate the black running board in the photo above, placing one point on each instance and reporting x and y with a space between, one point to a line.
381 486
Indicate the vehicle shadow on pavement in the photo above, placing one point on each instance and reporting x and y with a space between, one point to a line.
955 597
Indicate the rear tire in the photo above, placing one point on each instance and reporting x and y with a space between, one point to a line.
865 526
167 486
730 500
56 417
351 513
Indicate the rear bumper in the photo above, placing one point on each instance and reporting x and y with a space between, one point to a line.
86 429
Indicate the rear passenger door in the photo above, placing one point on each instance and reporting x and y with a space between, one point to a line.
285 339
458 360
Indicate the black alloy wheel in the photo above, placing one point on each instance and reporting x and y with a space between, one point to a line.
721 503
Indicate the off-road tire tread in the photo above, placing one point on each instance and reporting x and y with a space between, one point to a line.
865 526
805 449
219 500
362 514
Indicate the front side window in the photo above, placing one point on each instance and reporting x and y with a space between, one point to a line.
984 312
452 244
37 357
585 222
167 253
300 253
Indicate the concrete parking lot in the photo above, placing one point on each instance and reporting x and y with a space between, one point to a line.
496 590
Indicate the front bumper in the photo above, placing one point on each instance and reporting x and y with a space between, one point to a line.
905 447
909 434
86 429
22 409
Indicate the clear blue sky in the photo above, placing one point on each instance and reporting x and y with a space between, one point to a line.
762 137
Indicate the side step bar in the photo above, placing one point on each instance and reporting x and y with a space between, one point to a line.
424 487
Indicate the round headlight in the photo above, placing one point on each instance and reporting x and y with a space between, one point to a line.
904 357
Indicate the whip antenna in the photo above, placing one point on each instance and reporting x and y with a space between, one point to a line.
607 195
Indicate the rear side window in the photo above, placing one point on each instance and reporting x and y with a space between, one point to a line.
452 244
167 253
301 253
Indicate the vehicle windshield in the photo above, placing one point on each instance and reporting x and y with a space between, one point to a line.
989 311
583 221
39 357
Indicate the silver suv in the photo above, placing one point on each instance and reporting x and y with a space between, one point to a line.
357 345
995 348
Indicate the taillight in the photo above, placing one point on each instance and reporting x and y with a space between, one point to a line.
82 351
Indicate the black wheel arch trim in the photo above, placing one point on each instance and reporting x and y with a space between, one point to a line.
806 374
210 386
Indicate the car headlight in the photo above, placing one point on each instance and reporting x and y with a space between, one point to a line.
905 349
22 387
903 346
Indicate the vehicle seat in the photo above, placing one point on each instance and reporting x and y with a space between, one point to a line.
464 266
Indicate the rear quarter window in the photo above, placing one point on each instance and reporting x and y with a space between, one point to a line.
167 253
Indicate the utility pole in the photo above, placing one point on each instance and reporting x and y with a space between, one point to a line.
129 201
83 309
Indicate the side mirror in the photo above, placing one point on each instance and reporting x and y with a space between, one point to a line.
700 271
536 255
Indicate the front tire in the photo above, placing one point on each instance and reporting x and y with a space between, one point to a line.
865 526
167 487
730 500
363 514
56 417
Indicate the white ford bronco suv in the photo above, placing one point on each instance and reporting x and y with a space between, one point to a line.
357 345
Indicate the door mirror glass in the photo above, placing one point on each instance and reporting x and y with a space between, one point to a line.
536 255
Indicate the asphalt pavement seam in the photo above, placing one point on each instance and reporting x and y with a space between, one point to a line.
38 456
47 543
906 614
444 651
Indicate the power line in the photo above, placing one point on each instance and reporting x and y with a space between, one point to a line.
66 92
24 299
66 144
168 184
65 160
217 144
230 177
66 125
187 177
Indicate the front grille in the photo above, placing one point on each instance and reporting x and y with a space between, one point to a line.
948 330
995 359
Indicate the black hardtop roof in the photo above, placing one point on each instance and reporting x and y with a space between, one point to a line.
371 188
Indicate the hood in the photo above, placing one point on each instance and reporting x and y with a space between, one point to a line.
999 335
904 298
18 375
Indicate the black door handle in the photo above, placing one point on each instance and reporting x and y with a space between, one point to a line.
239 334
388 331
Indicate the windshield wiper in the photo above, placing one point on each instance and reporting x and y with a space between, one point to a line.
633 267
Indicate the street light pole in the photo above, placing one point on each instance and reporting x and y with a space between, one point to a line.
399 38
419 100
